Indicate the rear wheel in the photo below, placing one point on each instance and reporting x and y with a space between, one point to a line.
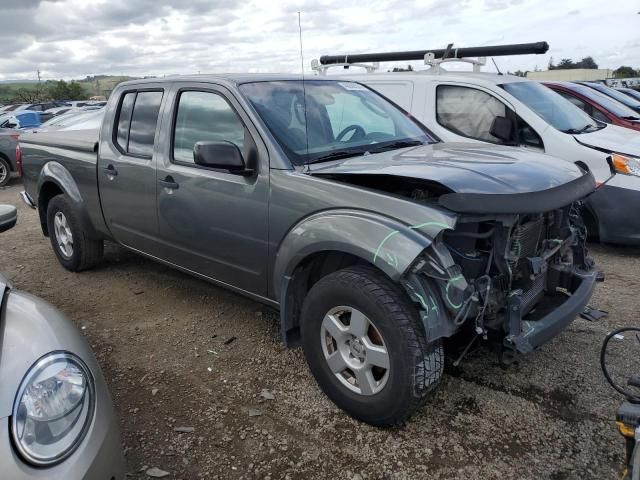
70 242
366 347
5 172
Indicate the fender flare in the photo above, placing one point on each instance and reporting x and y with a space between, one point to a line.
56 173
381 241
386 243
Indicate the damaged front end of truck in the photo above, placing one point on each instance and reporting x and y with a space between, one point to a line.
515 268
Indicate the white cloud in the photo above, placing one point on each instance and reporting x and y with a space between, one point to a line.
75 38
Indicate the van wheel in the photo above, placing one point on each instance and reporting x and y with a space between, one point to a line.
74 249
366 347
5 172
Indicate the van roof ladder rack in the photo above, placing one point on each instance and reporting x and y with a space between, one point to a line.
432 57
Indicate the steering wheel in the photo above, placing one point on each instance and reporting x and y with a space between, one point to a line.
358 133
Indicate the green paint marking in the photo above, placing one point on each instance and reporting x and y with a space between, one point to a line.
392 259
430 224
393 232
422 302
453 305
434 305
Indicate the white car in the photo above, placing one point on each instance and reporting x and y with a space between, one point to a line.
510 110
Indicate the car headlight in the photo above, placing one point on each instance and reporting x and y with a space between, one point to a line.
625 164
53 409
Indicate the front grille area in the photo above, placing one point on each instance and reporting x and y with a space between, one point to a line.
525 239
531 296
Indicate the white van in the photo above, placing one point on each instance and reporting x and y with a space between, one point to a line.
510 110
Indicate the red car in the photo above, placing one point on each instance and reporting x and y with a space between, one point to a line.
597 105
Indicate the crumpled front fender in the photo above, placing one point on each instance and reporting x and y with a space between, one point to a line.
386 243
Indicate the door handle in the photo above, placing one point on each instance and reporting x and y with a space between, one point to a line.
110 170
169 183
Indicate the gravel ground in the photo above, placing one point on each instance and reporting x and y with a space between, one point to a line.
179 352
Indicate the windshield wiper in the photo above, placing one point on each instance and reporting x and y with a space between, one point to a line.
579 130
396 145
338 154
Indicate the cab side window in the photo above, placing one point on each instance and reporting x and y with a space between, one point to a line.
582 105
136 122
585 107
601 117
468 112
204 117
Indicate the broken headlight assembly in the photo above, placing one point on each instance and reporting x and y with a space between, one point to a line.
53 409
626 164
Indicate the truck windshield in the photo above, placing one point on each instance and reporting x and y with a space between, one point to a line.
559 112
326 120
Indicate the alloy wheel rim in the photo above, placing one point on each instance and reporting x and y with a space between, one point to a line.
354 350
64 237
3 173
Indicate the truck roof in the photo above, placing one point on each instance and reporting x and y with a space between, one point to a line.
231 78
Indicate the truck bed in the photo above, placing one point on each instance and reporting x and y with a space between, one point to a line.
79 140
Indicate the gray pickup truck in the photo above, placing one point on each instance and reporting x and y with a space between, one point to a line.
323 199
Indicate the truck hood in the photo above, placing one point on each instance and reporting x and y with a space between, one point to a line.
612 138
463 167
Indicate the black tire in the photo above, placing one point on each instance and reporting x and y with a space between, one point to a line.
86 252
415 366
4 166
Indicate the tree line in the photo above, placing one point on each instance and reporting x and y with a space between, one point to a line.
43 91
587 62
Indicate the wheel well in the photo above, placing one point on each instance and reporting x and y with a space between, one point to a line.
305 275
47 192
6 159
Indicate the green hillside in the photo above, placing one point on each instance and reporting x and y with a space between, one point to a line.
99 85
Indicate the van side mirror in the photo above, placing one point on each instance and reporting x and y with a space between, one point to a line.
502 128
222 155
8 217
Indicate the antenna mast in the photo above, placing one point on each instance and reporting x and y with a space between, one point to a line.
304 90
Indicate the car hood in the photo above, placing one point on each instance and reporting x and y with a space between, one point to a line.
612 138
463 167
29 329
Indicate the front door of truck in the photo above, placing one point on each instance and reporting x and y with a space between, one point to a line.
126 167
212 221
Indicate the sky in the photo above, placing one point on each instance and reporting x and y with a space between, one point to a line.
75 38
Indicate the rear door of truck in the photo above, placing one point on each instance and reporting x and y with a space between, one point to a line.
126 166
211 221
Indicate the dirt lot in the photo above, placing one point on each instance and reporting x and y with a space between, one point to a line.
164 340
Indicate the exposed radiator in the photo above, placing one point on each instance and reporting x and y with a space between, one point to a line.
533 294
525 240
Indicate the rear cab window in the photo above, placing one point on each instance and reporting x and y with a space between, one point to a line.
136 122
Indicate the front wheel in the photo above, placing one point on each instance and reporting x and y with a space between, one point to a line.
5 172
74 249
366 347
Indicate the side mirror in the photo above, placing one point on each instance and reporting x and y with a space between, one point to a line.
502 128
8 217
222 155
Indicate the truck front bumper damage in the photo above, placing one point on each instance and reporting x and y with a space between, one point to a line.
526 333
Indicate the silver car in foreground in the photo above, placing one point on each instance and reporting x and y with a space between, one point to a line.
56 416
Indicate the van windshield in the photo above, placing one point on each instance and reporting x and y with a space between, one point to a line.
326 120
559 112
